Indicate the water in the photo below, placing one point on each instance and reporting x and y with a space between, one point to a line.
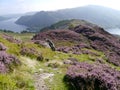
114 31
11 25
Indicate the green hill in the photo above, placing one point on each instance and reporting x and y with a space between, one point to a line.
67 24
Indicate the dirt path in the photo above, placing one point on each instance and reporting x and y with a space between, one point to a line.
39 80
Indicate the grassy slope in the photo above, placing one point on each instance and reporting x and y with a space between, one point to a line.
21 78
66 24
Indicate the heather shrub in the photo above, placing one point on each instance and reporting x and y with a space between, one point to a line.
11 48
31 52
84 76
7 62
11 39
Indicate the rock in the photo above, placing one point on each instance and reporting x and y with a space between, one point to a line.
39 81
71 61
51 44
46 75
41 43
68 62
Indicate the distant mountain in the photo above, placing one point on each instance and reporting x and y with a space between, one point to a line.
102 16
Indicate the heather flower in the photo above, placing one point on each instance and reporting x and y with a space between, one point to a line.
95 76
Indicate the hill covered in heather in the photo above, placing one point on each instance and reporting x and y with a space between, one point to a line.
91 37
83 57
93 43
91 13
66 24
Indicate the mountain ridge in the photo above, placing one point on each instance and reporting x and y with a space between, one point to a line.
91 13
67 24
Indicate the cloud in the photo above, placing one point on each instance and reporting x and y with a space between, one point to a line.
18 6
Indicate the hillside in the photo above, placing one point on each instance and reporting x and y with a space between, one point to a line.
92 43
85 57
91 13
67 24
91 36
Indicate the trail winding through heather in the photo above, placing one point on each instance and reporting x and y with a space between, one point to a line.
39 82
38 77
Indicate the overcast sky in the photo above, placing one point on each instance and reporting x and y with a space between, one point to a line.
22 6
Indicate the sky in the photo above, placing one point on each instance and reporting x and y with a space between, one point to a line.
23 6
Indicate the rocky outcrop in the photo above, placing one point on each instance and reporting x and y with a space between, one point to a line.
51 44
